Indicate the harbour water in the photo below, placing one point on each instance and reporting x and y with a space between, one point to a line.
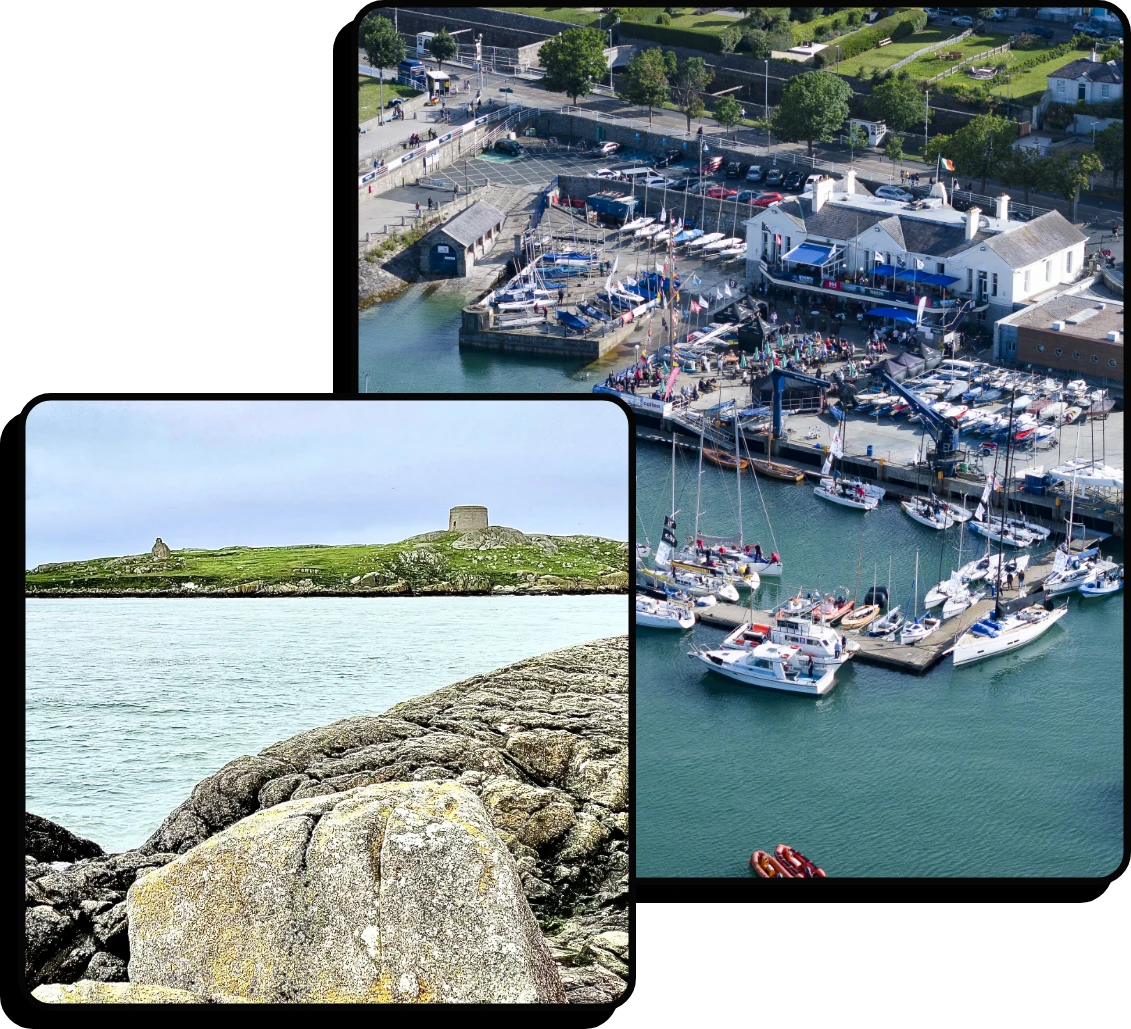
411 345
1010 767
131 702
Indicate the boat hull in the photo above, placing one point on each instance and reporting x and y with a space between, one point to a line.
865 505
777 471
816 687
970 648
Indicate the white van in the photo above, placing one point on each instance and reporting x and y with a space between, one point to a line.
647 176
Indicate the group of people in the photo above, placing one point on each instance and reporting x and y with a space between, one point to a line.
911 178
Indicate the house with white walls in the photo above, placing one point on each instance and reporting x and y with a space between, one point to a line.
1088 79
839 241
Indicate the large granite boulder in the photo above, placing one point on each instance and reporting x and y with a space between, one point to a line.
46 841
400 892
543 743
86 992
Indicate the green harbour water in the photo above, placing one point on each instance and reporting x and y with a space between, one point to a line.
1011 767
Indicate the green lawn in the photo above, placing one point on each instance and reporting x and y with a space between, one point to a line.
930 65
419 561
369 96
862 64
1035 79
588 19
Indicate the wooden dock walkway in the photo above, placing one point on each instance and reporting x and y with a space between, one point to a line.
917 659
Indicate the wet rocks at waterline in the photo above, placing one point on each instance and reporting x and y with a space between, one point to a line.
469 845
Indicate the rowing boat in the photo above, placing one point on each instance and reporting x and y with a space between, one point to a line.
777 471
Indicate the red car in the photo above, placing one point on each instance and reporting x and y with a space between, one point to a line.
712 165
721 193
765 199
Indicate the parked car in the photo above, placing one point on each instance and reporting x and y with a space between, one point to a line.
999 15
893 193
651 179
747 196
774 176
698 188
721 193
1087 28
1113 39
931 12
606 149
766 199
510 146
793 182
667 159
963 21
755 173
734 169
1043 31
682 184
713 165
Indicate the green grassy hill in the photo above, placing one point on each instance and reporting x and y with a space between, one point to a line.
497 559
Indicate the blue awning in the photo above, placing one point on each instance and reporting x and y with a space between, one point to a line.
892 312
813 254
913 274
884 269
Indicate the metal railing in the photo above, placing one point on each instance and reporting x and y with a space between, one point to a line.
969 60
928 50
428 219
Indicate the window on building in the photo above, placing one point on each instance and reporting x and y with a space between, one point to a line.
993 285
940 268
1026 280
1060 85
1048 271
982 281
1068 261
969 280
1104 91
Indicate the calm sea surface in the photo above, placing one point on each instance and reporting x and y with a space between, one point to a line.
411 345
1009 767
131 702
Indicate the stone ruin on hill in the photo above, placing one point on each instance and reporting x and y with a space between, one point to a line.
160 550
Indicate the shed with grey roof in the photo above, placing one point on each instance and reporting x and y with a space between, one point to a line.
451 249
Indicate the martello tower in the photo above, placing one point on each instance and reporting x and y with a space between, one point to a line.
464 519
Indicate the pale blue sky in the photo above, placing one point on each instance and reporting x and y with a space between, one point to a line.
107 477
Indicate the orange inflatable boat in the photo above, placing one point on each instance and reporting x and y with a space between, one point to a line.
769 867
797 864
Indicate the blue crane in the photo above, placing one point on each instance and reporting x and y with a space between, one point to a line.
943 430
776 376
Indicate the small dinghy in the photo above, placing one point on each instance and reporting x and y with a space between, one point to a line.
722 244
636 223
725 459
797 862
777 471
798 605
959 602
919 629
703 241
1104 586
888 624
832 609
860 617
768 866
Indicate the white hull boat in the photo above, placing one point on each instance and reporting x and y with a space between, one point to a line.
704 241
923 511
824 645
722 244
920 629
988 638
636 223
959 602
889 623
1107 584
945 590
864 504
1011 537
732 252
869 490
770 666
739 575
663 614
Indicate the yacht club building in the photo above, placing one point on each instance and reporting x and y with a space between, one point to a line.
838 240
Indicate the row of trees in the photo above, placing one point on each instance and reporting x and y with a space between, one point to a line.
384 48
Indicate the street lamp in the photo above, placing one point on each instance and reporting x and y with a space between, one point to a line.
837 45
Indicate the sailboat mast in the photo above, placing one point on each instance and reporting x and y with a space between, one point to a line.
738 472
699 480
1072 499
1005 487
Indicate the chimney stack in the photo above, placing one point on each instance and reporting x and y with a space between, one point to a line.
822 191
939 190
972 217
1095 59
1003 207
850 182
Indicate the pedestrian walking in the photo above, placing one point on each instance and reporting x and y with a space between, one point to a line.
417 208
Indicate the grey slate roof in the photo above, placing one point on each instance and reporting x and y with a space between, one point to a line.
935 240
467 226
1093 71
1036 240
834 222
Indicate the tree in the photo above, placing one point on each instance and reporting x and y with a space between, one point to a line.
757 42
727 111
813 107
383 49
646 79
857 139
688 85
442 47
985 12
573 61
899 103
893 150
803 14
977 149
729 38
1024 167
1068 173
1109 145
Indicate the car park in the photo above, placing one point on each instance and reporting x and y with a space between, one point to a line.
1087 28
963 21
721 193
510 146
766 199
774 176
755 173
734 169
893 193
793 182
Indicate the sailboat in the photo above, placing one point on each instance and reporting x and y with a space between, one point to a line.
859 617
1005 631
922 626
893 620
845 494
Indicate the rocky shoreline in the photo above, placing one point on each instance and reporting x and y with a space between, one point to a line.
471 844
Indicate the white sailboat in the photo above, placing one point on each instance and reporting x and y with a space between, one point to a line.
663 614
921 627
927 511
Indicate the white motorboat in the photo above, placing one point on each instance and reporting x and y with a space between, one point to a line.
959 602
663 614
1022 402
990 637
1053 412
769 665
1070 573
847 497
798 605
1104 585
919 629
827 648
928 511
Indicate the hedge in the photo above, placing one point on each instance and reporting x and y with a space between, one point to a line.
695 39
897 26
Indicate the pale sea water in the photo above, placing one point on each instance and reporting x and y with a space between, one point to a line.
130 702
